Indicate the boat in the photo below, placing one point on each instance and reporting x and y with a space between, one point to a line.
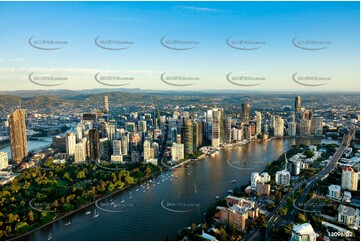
234 181
50 237
130 195
115 205
87 212
96 214
137 189
123 201
217 197
189 174
68 223
230 191
176 176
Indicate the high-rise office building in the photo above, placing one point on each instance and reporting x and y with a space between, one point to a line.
177 152
106 104
292 129
125 145
258 123
317 125
4 160
110 131
298 104
200 132
278 127
209 117
117 147
18 140
188 137
305 127
79 153
216 128
70 140
146 150
104 150
142 126
227 131
246 109
94 145
79 132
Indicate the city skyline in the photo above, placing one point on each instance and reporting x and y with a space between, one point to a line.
278 61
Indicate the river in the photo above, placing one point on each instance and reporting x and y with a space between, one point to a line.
174 200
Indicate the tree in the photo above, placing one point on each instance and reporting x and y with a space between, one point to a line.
283 211
300 218
31 215
148 171
21 227
81 175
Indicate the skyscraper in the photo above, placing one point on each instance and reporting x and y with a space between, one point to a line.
292 129
146 150
94 145
298 104
227 131
279 126
106 104
79 132
258 123
305 127
188 137
216 127
79 153
19 146
70 143
245 113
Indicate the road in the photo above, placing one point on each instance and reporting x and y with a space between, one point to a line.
309 184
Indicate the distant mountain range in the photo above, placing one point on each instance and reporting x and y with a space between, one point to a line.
81 94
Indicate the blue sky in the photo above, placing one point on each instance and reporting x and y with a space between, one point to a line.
208 23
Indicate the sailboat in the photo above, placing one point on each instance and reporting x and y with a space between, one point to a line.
96 214
50 237
67 223
87 212
130 196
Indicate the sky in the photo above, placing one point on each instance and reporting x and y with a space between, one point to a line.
254 46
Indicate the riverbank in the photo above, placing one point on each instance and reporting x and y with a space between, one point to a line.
85 206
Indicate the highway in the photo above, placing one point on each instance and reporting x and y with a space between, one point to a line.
309 184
